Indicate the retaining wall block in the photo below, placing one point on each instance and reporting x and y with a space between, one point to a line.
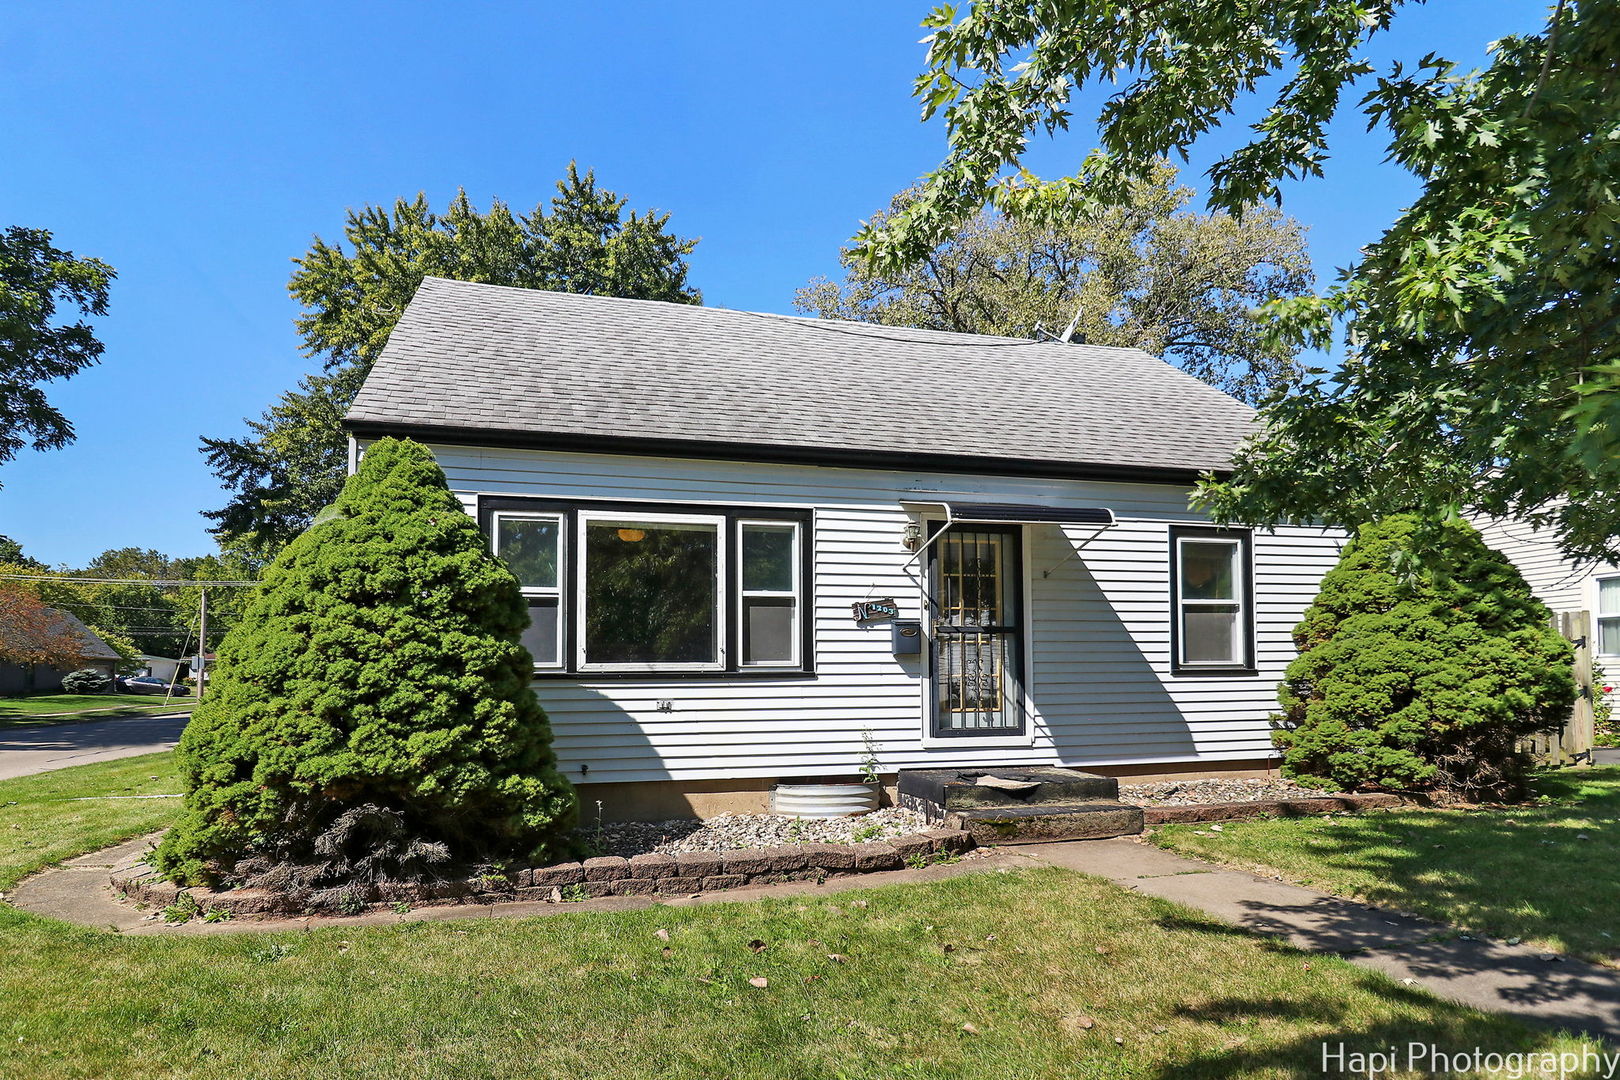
877 857
606 868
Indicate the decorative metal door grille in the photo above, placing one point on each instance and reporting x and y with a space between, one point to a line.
978 687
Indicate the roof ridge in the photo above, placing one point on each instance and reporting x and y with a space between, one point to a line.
868 328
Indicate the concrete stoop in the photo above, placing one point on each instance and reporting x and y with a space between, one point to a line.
1021 804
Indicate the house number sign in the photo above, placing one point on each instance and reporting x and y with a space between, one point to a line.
870 611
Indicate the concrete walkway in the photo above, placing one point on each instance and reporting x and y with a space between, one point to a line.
1488 975
1606 755
35 750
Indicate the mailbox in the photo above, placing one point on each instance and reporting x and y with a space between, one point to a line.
907 637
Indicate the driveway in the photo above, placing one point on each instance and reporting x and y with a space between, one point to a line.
37 750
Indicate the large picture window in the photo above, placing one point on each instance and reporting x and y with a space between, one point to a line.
1212 616
650 591
622 589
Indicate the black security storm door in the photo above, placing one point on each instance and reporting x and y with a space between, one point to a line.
977 641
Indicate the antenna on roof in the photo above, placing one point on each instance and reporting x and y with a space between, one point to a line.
1041 333
1074 324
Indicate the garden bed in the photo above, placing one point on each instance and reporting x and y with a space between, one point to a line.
1202 792
727 832
645 874
1175 801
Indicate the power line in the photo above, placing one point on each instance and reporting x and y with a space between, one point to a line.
131 581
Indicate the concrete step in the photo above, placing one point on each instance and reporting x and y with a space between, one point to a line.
1033 824
939 791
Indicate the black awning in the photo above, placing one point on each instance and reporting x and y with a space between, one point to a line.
1020 514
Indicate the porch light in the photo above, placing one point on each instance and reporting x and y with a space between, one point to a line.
912 538
632 536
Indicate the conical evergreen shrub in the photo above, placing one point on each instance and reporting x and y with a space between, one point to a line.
379 667
1422 681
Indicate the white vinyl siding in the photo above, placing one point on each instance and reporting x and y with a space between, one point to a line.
1555 579
1101 688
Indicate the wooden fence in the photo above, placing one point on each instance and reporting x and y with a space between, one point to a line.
1572 744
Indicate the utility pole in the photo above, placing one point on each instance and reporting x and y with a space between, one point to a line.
202 644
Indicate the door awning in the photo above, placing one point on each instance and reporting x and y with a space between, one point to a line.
976 513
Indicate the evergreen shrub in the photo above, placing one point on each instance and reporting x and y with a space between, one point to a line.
376 677
1422 680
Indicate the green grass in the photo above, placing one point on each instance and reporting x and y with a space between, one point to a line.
42 709
56 815
1548 873
1026 957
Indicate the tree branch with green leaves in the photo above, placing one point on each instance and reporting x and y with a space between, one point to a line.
1481 368
295 457
36 345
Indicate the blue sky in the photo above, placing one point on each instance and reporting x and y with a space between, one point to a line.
199 147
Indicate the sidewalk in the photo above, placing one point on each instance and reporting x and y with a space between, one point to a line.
26 751
1488 975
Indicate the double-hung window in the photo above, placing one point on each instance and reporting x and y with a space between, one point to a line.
1608 616
1212 616
532 547
629 589
769 569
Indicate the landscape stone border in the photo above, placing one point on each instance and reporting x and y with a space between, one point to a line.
606 875
1240 811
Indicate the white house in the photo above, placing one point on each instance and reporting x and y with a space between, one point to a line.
163 667
699 502
1565 586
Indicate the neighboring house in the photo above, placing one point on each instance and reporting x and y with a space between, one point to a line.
163 667
40 678
696 500
1564 586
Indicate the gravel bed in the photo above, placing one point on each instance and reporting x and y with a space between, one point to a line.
1197 792
727 832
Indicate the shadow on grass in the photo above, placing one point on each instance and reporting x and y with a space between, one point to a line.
1329 1031
1548 871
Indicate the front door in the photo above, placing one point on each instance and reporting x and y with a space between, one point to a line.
976 647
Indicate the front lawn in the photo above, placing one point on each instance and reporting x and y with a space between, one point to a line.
1547 873
1038 973
41 709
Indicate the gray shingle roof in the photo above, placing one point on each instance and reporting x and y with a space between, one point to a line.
67 625
515 365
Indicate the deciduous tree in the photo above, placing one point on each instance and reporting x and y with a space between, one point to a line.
32 633
1482 366
1151 274
293 461
36 346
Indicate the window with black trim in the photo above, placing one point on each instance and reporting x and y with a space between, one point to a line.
531 545
1212 612
626 589
769 570
1608 616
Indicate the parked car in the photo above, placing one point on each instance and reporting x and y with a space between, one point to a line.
147 684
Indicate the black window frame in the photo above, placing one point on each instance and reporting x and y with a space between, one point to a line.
1246 606
729 583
